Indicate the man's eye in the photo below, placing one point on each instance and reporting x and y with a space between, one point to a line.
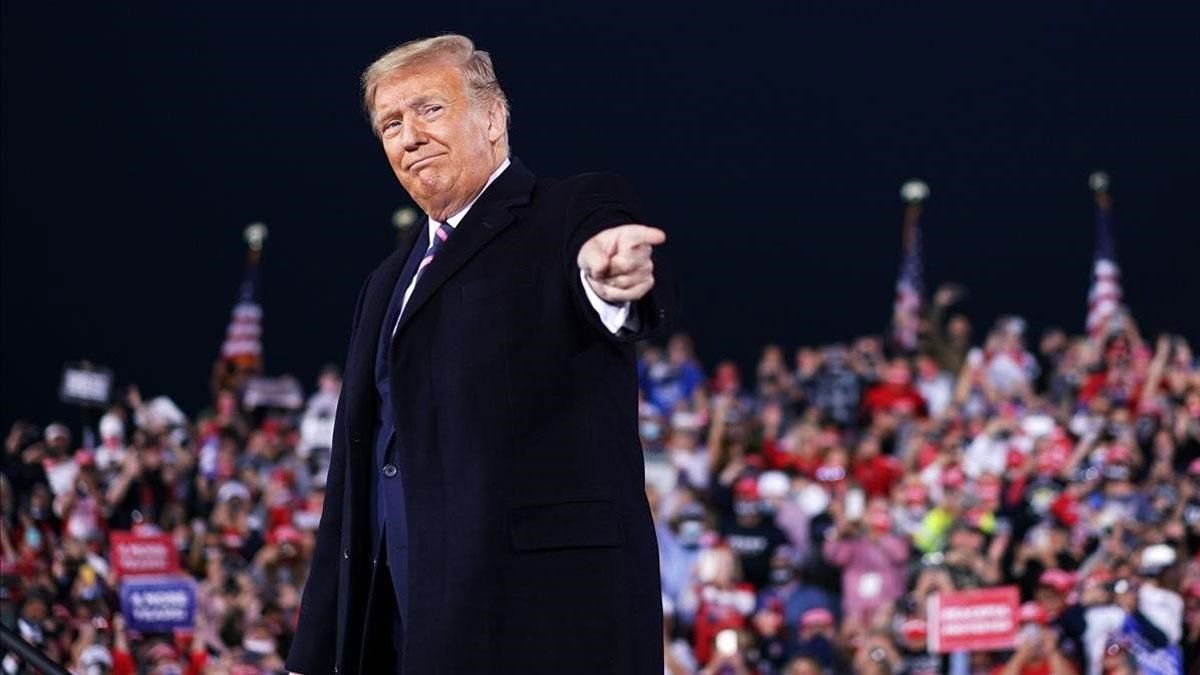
433 110
391 125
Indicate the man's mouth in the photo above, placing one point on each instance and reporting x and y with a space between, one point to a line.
422 162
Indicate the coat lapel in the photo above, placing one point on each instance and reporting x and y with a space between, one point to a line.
488 217
360 372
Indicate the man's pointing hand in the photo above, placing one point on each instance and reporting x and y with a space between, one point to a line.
617 264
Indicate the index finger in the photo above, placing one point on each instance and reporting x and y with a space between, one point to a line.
636 235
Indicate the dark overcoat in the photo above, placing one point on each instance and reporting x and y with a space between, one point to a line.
531 547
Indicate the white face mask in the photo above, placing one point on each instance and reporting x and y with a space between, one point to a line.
813 499
259 645
307 520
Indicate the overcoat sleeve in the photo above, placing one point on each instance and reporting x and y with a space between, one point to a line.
600 201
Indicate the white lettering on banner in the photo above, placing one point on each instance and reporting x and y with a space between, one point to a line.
155 615
976 612
155 606
976 628
136 556
747 544
165 598
86 385
980 619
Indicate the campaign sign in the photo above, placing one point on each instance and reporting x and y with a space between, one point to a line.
273 392
86 385
159 604
980 620
1151 660
134 554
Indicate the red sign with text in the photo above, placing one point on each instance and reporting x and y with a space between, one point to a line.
134 554
979 620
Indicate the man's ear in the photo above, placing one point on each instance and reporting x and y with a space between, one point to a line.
497 121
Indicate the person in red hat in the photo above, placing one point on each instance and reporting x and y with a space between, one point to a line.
818 639
1037 651
750 535
912 642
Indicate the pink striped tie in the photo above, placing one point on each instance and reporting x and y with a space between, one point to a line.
439 240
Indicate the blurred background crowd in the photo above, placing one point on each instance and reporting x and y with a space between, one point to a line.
806 511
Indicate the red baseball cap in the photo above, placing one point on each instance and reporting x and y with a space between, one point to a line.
746 488
1066 509
1016 459
1059 580
285 534
818 616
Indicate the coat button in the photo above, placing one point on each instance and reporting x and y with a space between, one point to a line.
389 470
346 553
337 669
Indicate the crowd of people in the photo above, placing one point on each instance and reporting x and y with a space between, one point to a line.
806 513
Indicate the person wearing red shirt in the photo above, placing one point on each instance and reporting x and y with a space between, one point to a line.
875 472
895 394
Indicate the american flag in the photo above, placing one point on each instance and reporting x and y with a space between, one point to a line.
243 336
1104 296
906 310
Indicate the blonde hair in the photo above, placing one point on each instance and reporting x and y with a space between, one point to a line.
476 66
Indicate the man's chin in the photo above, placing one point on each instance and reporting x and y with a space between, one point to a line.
427 193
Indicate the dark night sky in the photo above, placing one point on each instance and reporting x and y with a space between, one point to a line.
138 141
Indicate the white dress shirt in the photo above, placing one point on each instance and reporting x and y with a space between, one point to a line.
613 316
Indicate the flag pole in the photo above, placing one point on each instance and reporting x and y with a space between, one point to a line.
1104 296
241 352
906 310
913 193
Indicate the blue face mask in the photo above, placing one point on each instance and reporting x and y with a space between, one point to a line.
651 431
33 538
690 533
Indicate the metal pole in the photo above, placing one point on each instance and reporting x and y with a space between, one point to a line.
30 654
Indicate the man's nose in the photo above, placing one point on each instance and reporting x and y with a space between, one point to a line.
412 135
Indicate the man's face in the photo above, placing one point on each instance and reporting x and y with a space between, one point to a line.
959 328
966 540
35 611
441 144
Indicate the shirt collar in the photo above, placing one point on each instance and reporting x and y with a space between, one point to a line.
455 219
